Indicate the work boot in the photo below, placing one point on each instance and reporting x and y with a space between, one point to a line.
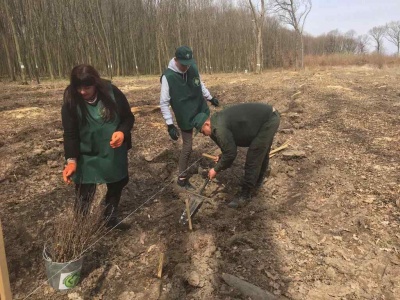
184 182
115 223
242 199
112 220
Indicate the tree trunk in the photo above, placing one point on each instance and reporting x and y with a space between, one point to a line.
158 43
178 22
258 26
302 51
48 58
17 47
9 64
34 48
258 50
134 57
35 61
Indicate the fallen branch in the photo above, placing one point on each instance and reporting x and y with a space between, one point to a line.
56 140
296 95
248 289
160 265
280 148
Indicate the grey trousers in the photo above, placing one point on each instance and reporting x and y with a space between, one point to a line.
187 139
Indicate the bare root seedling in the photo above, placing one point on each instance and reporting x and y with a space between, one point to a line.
75 230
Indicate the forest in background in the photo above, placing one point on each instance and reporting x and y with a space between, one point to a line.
46 38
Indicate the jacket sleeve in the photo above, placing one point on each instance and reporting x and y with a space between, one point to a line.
206 93
71 133
225 141
165 100
125 114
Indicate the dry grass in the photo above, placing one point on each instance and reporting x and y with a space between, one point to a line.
74 231
375 59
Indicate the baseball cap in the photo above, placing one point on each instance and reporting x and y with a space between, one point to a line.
184 55
198 121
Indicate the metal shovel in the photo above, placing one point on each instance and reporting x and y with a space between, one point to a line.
195 202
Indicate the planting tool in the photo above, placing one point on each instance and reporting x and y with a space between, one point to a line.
195 202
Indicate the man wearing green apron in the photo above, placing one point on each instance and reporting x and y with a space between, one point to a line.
182 88
97 123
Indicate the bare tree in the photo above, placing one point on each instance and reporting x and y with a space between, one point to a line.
378 33
350 42
362 44
393 34
258 19
333 42
294 13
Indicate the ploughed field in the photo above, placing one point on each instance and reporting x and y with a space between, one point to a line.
324 225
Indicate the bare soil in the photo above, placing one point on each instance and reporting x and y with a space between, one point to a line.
325 224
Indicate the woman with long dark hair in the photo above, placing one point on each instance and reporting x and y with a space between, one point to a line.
97 122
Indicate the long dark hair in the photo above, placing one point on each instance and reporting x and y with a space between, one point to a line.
86 75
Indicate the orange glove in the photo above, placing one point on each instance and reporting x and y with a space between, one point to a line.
212 174
116 139
69 170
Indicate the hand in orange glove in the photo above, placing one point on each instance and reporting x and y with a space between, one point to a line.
212 174
69 170
116 139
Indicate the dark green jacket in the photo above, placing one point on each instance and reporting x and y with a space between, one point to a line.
237 126
186 96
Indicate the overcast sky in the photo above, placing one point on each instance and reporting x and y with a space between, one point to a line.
345 15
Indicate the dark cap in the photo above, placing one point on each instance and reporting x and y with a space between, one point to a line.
199 121
184 55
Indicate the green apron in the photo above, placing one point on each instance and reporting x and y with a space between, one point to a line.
98 162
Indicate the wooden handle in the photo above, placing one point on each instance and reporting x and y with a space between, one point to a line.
213 157
188 214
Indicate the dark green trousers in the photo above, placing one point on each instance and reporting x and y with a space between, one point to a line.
257 158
